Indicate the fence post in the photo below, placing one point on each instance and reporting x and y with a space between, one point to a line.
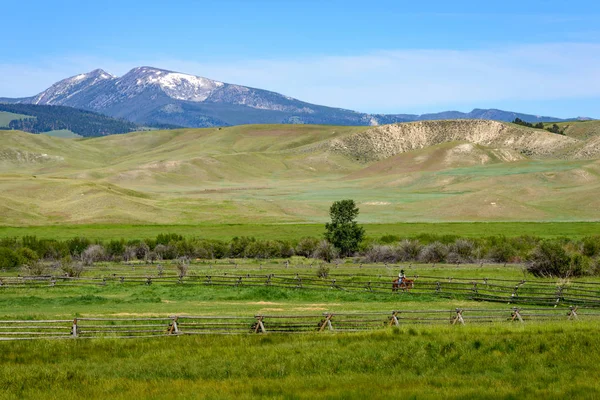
458 317
259 325
516 314
394 319
326 323
74 328
573 313
559 294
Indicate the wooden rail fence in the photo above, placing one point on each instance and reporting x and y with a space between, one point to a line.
326 322
480 289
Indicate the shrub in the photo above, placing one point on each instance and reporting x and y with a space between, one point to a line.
27 255
433 253
182 266
115 248
323 271
408 250
549 259
77 245
501 253
580 265
591 246
141 250
325 251
71 268
9 259
461 251
129 253
307 246
380 253
166 238
238 245
35 268
92 254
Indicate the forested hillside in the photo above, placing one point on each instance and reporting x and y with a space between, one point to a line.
52 118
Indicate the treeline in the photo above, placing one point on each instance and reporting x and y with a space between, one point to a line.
553 129
543 257
49 118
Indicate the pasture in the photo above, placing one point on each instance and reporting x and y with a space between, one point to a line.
291 231
499 358
533 361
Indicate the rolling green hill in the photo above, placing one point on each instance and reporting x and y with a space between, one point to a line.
447 171
42 118
6 117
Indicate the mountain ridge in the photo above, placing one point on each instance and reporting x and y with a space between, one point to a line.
147 95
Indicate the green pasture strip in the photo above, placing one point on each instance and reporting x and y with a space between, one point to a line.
162 300
6 117
297 231
550 361
62 133
298 265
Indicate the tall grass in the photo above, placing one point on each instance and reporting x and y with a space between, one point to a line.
534 361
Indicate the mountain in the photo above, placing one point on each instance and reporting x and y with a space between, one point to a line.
147 95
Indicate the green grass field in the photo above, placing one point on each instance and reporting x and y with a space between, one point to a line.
503 360
536 361
298 231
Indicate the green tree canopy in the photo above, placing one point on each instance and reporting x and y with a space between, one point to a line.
343 231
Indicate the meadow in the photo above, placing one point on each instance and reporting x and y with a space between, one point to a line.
291 231
534 361
277 183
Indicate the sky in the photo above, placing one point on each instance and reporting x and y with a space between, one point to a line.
534 56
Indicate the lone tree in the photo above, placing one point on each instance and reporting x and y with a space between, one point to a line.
343 232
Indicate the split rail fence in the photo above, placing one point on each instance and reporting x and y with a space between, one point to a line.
495 290
263 324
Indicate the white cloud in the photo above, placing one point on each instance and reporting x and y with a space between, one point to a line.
379 81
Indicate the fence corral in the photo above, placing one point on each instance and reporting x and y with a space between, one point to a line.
261 324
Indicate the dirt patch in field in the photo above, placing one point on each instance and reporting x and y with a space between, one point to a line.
309 309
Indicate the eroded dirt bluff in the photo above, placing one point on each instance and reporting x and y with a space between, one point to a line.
386 141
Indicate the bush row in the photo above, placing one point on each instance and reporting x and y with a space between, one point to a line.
556 257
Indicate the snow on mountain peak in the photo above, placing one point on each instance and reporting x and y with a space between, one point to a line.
174 84
61 91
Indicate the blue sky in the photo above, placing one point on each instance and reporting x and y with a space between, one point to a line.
541 57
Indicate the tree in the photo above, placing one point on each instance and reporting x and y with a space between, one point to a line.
343 231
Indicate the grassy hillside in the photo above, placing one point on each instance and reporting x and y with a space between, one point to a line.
6 117
460 171
44 118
